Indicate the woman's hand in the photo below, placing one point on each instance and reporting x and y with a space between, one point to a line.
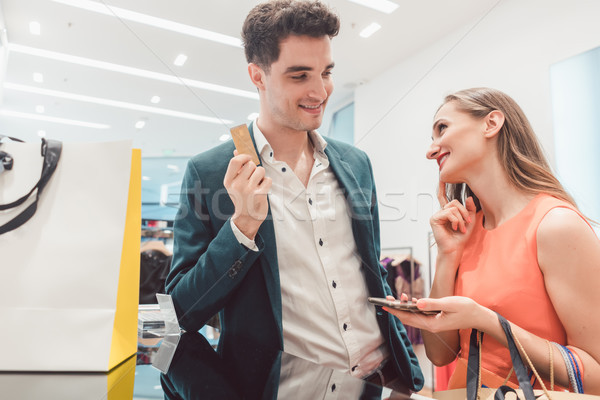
456 312
453 224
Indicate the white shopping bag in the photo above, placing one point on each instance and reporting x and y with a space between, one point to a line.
70 275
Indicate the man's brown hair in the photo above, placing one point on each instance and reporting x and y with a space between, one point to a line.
269 23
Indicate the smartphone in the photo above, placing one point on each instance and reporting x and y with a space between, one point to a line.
400 305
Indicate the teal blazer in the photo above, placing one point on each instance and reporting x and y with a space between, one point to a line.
213 273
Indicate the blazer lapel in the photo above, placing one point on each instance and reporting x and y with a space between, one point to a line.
268 259
359 200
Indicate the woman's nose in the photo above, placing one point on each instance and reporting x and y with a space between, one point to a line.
433 152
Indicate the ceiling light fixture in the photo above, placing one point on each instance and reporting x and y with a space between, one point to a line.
145 178
37 117
369 30
114 103
155 100
40 109
384 6
122 13
252 116
140 124
224 137
142 73
41 133
35 28
180 60
38 77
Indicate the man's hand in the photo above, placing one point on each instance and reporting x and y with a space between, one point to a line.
247 187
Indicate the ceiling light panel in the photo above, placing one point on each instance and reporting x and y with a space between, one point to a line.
35 28
38 77
369 30
142 73
114 103
384 6
180 60
47 118
152 21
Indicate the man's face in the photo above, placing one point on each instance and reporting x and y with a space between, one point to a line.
298 85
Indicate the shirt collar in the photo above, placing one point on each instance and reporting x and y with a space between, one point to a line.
266 151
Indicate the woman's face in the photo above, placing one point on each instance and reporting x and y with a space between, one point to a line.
459 144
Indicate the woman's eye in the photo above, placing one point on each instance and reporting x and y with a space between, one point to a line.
441 127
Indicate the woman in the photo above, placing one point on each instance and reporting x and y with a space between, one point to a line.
517 245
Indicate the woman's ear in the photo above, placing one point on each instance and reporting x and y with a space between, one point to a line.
257 75
493 123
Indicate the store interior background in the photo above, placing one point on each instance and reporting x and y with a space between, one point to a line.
545 54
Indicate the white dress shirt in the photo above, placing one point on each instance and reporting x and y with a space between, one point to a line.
326 316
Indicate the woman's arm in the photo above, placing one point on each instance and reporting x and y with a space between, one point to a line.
452 226
569 257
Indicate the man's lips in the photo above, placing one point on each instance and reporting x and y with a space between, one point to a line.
441 158
312 108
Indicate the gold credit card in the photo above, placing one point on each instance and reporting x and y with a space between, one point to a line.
243 142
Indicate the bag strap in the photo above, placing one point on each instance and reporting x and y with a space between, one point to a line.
51 151
474 366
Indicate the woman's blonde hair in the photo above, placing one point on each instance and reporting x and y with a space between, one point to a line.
518 147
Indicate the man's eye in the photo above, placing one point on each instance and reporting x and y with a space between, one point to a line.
298 77
327 73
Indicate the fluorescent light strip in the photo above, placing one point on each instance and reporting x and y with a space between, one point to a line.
142 73
385 6
17 114
369 30
152 21
113 103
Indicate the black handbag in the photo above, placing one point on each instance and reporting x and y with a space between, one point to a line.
50 151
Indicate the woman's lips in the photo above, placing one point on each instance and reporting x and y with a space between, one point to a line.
441 159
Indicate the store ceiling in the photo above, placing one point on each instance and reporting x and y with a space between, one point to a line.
75 34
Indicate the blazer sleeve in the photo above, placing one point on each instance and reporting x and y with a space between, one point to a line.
406 358
208 261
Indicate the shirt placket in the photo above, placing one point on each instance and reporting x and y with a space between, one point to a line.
322 206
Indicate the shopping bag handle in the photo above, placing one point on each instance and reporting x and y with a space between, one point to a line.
51 151
474 370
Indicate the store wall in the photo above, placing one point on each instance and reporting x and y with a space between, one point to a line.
511 49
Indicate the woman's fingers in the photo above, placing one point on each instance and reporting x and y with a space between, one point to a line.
441 194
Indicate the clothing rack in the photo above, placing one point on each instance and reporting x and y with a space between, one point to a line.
390 250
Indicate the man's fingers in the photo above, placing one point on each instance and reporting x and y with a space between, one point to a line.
257 176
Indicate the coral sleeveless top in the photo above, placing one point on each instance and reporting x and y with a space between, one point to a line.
499 270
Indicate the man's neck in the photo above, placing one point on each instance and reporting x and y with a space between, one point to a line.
288 145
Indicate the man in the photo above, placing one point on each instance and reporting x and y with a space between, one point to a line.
290 270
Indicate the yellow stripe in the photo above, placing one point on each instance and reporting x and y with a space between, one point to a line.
124 336
120 381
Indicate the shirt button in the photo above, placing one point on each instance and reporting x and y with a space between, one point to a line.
320 242
310 201
271 154
333 387
354 368
283 169
345 326
334 284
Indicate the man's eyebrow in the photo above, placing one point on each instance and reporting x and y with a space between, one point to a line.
300 68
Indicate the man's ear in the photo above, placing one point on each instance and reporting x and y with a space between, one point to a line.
257 76
493 123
